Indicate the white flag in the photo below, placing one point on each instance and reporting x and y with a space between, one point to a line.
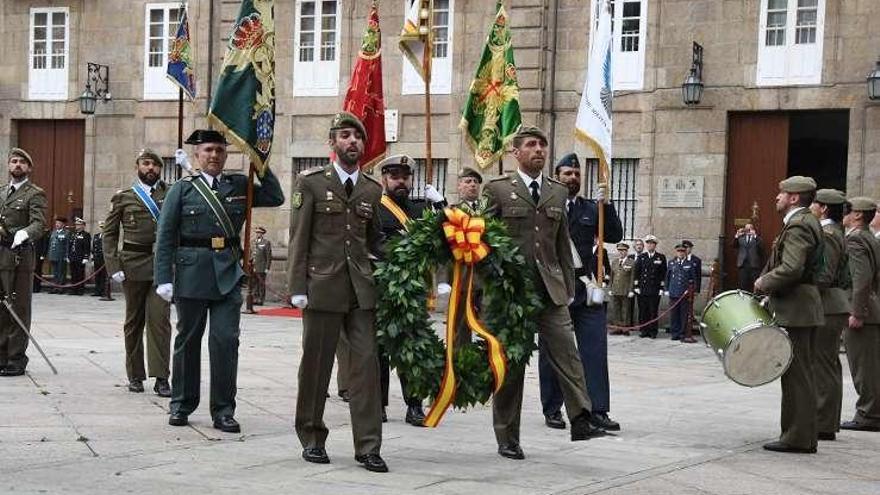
594 113
416 37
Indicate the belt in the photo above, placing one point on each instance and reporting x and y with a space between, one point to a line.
137 248
215 243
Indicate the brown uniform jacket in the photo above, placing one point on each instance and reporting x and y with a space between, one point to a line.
261 255
622 276
25 209
835 300
130 222
864 262
332 239
540 231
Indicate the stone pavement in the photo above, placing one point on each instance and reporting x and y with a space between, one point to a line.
686 429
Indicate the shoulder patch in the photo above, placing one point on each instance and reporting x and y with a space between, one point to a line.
296 200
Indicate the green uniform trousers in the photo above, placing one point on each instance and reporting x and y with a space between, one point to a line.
144 308
192 317
555 328
321 331
863 353
620 311
829 373
343 354
13 340
799 391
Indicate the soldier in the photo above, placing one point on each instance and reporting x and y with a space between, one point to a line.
789 280
132 222
469 183
335 231
198 262
98 267
58 242
533 207
78 252
833 282
261 258
621 288
862 335
648 284
22 221
681 274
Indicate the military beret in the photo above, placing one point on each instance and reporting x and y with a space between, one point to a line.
531 131
200 136
862 203
686 243
20 152
623 245
569 160
830 197
346 120
470 172
396 162
148 153
260 229
79 221
797 184
650 238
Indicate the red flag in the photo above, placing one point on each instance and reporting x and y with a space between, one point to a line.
365 96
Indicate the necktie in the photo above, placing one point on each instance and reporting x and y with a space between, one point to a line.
214 184
11 190
349 186
535 194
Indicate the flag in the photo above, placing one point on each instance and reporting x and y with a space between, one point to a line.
416 38
243 106
365 97
181 67
593 123
491 114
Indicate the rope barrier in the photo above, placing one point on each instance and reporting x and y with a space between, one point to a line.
655 320
67 286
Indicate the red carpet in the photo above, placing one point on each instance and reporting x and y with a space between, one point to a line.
286 312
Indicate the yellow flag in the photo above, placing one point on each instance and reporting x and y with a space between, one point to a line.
416 39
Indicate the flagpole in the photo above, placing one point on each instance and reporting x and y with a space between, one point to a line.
600 242
246 261
180 118
428 55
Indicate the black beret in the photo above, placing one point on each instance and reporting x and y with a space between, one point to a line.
686 243
200 136
569 160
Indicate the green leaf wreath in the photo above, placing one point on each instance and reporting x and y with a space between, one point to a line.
404 329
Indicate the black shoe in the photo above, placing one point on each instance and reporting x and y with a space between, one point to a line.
95 295
317 455
827 436
642 335
415 415
161 387
511 451
345 395
601 420
136 386
372 462
583 429
675 337
178 419
384 416
12 370
227 424
554 421
784 447
848 425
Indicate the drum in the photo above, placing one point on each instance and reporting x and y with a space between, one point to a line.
745 337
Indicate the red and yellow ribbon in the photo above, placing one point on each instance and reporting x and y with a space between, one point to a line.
464 235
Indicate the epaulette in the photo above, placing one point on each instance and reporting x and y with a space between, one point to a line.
120 191
370 177
188 178
500 177
311 171
551 179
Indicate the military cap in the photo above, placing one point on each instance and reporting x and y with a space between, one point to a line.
686 243
797 184
22 153
261 229
79 221
531 131
650 238
148 153
470 172
101 224
680 246
623 245
200 136
569 160
830 197
862 203
396 162
345 120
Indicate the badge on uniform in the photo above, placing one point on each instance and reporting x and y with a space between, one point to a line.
513 195
297 199
329 195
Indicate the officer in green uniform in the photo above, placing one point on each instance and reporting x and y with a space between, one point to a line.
198 262
833 282
22 222
132 220
261 257
789 278
862 335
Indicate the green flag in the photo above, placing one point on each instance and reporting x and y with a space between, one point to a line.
491 114
243 106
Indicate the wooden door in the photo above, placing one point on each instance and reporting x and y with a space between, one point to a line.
757 161
58 150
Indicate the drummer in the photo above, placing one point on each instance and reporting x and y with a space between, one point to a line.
788 280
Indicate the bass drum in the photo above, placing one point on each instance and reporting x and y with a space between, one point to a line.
753 350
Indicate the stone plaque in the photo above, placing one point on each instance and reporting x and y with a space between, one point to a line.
390 125
680 191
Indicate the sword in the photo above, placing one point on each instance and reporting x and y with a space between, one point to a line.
21 325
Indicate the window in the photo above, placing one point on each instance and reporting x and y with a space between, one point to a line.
628 24
420 176
160 28
790 42
441 63
48 61
623 189
171 172
316 48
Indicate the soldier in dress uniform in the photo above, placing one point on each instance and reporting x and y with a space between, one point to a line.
198 263
58 242
789 278
78 252
681 274
648 283
622 288
335 232
129 243
638 248
22 221
862 335
98 261
261 257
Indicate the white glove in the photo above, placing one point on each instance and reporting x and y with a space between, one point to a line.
631 294
165 291
433 195
637 291
118 277
570 300
181 159
664 293
67 260
610 292
443 289
19 238
300 301
601 192
85 261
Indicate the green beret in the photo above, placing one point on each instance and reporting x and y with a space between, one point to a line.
470 172
396 162
345 120
152 155
862 203
830 197
797 184
531 131
20 152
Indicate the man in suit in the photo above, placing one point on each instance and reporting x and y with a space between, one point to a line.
261 257
789 280
198 263
132 222
533 208
78 253
862 334
648 284
335 233
58 242
98 261
22 221
749 256
621 288
833 281
681 275
589 319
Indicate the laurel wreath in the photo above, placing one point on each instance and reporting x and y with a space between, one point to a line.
404 329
